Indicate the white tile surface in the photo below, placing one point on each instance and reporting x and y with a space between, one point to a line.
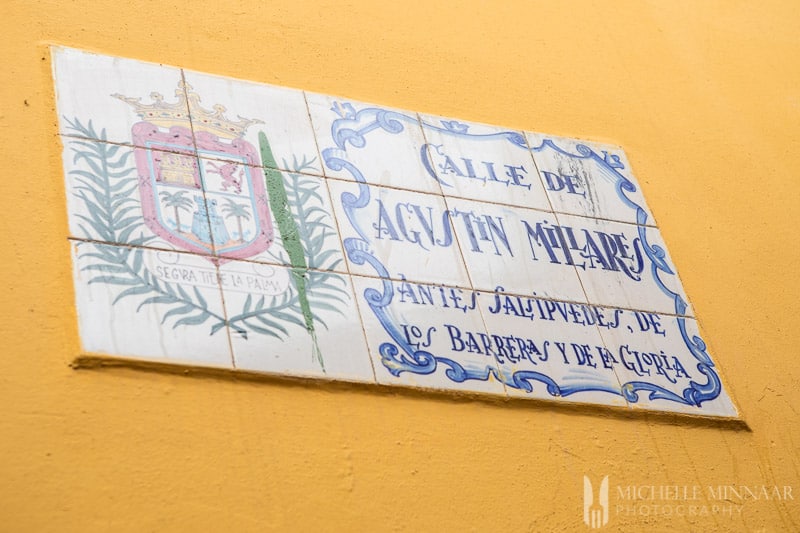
86 84
616 266
415 334
658 363
482 162
149 304
469 257
381 145
585 178
499 252
269 332
408 233
280 113
550 349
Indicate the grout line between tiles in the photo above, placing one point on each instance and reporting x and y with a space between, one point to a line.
200 167
321 174
447 202
498 368
472 288
209 257
227 316
262 166
597 328
314 134
613 367
552 211
370 348
626 166
158 288
465 387
344 179
428 151
682 292
538 172
329 196
361 323
187 151
481 200
398 280
201 176
420 124
496 364
575 268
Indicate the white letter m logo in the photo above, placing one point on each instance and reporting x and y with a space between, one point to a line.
595 515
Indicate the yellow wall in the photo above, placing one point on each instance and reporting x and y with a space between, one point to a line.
704 97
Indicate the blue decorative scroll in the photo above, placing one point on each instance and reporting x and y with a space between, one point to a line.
350 132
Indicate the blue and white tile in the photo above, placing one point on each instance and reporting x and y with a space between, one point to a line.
375 144
274 329
515 249
104 97
589 179
622 265
418 336
228 115
149 304
549 349
397 234
482 162
662 362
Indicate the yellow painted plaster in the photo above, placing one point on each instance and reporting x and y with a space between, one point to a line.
703 96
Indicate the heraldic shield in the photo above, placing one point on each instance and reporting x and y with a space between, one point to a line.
212 202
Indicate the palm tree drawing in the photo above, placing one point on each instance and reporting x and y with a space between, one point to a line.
231 209
178 202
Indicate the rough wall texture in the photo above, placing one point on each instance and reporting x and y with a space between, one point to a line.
703 97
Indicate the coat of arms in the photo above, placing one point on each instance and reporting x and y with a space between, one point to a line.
202 189
211 204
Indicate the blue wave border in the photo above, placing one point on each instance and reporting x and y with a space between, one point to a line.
352 128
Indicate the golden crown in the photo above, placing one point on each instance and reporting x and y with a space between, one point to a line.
165 114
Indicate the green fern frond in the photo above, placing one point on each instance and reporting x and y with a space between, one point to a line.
105 184
126 267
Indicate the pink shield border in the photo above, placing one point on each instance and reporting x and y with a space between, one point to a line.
148 137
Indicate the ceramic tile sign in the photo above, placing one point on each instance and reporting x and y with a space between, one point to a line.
231 224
